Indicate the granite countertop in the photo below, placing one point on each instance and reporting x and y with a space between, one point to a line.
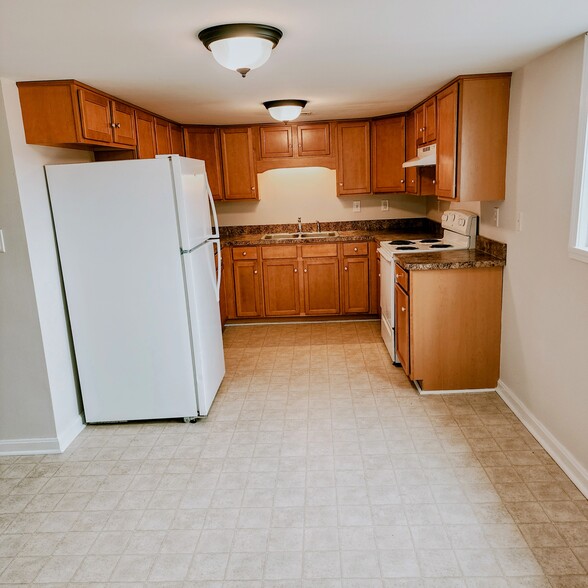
487 254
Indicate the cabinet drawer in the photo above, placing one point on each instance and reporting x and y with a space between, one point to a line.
401 277
244 253
323 250
279 252
350 249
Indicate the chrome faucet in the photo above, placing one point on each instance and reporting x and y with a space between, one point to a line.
300 224
318 227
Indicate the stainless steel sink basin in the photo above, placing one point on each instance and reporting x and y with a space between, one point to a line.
283 236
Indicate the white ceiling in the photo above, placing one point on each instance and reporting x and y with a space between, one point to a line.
348 58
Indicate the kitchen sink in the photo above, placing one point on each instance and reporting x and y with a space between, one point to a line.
317 235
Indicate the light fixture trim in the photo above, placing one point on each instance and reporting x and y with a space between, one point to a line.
241 29
277 104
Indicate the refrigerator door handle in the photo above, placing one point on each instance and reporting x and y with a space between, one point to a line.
218 267
214 215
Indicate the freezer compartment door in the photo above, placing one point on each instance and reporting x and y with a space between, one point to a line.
206 331
193 204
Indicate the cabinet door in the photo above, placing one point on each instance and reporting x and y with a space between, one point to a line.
321 286
204 143
353 165
248 296
162 137
281 287
402 327
145 124
356 282
123 118
276 141
177 140
95 115
411 151
314 140
430 108
388 154
419 119
239 176
446 170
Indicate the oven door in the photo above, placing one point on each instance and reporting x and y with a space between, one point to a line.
387 302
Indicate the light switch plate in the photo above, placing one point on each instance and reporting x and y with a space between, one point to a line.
357 206
2 248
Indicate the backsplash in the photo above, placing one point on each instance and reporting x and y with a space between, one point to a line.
417 225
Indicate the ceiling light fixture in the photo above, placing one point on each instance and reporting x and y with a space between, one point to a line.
241 46
285 110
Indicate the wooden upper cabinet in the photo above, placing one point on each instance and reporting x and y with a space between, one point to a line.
177 139
95 116
447 102
204 143
123 118
146 146
314 139
65 113
240 179
162 137
353 154
411 173
275 141
388 154
430 132
426 122
471 138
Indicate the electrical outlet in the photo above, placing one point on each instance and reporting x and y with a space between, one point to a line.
383 205
496 216
519 221
357 206
2 248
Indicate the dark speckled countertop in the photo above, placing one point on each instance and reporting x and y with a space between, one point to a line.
487 254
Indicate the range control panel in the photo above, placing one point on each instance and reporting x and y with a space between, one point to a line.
460 221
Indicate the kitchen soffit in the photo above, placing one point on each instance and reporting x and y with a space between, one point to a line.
348 57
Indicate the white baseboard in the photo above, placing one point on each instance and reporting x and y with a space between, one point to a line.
464 391
43 445
560 454
66 436
29 446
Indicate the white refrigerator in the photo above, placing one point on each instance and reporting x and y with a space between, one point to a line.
136 247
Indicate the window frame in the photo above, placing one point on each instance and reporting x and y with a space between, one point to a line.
578 246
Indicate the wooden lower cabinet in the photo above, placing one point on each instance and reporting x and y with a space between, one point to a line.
356 293
321 286
323 279
248 290
457 348
281 287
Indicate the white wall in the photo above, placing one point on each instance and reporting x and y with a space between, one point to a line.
30 195
311 193
25 400
544 367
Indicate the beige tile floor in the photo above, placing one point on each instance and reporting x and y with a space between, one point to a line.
319 466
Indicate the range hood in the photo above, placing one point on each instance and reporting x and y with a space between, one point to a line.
425 156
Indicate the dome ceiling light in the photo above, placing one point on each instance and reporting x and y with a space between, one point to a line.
285 110
241 46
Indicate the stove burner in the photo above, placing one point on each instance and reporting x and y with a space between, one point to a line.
405 248
441 246
430 241
401 242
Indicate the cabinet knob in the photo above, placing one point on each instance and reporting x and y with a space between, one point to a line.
244 252
253 188
295 271
397 276
118 125
402 181
345 268
305 271
254 271
340 183
355 249
412 181
113 125
401 308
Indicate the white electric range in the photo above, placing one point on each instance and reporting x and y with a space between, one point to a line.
460 229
